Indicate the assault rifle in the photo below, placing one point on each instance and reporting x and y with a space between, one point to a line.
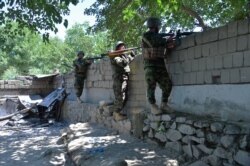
175 38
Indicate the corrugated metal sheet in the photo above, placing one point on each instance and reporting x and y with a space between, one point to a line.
44 75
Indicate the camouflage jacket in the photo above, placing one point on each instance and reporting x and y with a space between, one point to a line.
120 64
157 44
81 67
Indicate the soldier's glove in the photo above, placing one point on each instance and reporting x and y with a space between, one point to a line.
171 43
132 53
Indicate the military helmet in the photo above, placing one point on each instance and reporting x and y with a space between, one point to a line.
153 22
118 44
80 53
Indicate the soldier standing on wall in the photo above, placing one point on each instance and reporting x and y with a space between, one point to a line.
121 70
154 48
81 66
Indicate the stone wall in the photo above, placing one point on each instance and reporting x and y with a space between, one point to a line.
195 138
26 85
210 71
210 96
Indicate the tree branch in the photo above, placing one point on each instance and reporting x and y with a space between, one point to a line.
195 15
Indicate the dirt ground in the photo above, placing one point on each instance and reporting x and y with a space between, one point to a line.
23 145
76 144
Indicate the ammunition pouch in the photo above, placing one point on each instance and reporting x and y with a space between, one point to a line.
154 53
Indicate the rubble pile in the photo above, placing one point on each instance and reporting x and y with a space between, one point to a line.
14 108
25 137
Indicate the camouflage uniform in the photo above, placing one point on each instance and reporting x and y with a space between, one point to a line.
81 67
155 70
121 70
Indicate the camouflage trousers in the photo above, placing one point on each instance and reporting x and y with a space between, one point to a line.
120 87
154 75
79 85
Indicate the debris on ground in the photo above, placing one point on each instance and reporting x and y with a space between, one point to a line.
91 144
15 108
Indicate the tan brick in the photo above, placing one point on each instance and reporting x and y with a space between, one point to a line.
248 38
182 55
186 78
232 29
208 77
195 65
179 68
238 59
218 62
202 64
190 53
187 65
213 49
222 46
223 32
210 35
246 58
243 27
225 76
234 76
193 78
140 97
205 50
210 63
174 57
227 61
242 43
171 68
131 103
231 44
200 77
191 40
244 74
198 38
177 79
107 77
197 51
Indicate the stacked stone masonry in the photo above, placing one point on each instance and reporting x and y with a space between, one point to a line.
208 141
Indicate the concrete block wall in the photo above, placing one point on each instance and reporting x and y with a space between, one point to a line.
209 71
217 56
98 85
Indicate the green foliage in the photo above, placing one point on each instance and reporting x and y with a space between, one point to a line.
125 18
10 73
35 15
26 53
80 37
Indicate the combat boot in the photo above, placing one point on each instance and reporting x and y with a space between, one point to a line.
165 108
118 117
155 109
